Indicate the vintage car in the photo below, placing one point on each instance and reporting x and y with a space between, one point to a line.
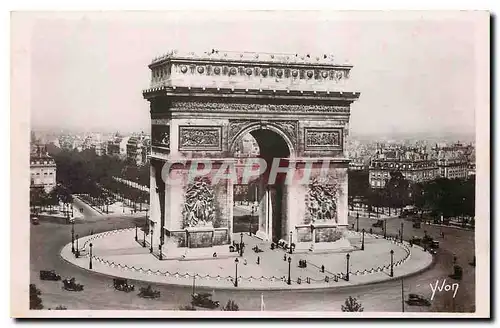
204 300
49 275
122 285
418 300
71 285
35 220
434 244
148 292
417 224
457 272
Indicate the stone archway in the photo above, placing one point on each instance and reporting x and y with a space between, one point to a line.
200 106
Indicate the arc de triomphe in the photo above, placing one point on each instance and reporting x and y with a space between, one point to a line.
296 107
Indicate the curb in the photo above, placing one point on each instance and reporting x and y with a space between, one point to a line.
244 288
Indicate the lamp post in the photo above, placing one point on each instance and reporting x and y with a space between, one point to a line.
144 238
357 222
90 257
402 226
392 263
363 240
73 237
289 282
385 229
161 254
347 267
77 252
136 232
241 244
236 274
291 242
250 222
151 247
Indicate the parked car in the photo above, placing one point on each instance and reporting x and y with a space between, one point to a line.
122 285
204 300
148 292
434 244
71 285
416 240
49 275
418 300
35 220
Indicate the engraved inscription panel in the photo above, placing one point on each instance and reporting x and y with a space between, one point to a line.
200 138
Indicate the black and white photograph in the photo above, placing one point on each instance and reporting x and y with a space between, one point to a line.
243 164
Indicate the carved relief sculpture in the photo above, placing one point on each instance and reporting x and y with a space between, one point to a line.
323 138
321 202
199 209
160 135
200 138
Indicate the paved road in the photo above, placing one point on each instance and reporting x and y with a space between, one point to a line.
99 294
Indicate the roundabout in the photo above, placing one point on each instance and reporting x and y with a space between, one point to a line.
117 253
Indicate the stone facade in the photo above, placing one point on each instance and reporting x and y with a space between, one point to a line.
202 106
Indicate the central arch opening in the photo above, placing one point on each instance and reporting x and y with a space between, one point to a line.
259 206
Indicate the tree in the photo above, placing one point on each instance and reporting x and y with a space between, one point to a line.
231 306
352 305
397 190
35 300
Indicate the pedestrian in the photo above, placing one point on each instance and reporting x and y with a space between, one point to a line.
322 268
245 262
284 257
258 260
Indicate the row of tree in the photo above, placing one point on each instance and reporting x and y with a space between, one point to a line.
446 197
88 174
42 201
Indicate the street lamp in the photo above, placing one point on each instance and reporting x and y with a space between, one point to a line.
357 222
392 263
347 267
90 257
385 229
236 274
289 282
77 252
151 247
159 249
250 223
73 237
402 226
241 244
136 232
144 238
363 240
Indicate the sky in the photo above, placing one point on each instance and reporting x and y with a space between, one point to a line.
416 73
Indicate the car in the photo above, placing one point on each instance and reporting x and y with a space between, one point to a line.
49 275
71 285
417 225
35 220
148 292
434 244
122 285
432 251
204 300
416 240
417 300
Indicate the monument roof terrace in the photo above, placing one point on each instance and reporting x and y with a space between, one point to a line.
226 70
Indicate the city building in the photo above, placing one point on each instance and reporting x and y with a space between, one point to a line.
247 147
414 164
113 148
43 169
138 148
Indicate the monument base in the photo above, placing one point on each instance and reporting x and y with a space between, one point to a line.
321 237
200 237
